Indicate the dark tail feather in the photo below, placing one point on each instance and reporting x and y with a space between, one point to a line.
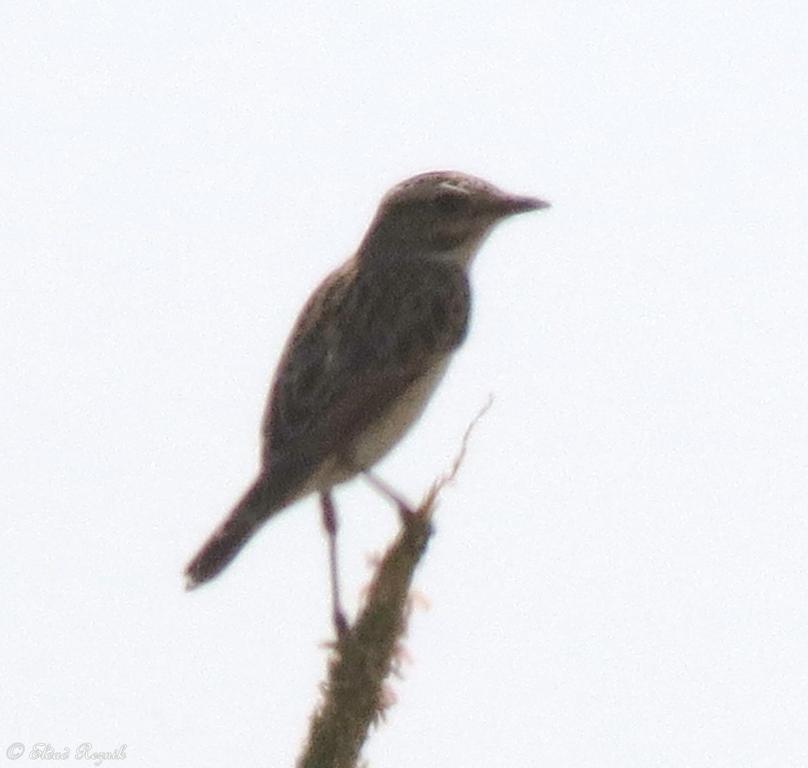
228 539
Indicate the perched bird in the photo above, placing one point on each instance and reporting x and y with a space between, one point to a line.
365 355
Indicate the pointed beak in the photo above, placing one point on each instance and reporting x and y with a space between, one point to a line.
511 204
503 204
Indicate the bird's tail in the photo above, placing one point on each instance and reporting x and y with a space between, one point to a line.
228 539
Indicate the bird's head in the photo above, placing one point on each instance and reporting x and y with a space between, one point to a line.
444 214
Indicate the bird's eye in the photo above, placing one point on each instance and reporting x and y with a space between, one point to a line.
451 201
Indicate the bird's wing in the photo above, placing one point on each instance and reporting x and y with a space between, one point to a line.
360 342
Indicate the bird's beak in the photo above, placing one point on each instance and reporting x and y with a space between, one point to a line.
511 204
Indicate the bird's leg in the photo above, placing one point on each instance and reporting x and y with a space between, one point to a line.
405 511
330 525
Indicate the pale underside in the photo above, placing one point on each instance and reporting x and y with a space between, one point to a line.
376 441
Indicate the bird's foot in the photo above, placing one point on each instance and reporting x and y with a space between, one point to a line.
341 626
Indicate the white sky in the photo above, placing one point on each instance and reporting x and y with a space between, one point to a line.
619 576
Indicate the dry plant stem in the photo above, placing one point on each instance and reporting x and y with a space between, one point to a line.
364 656
366 653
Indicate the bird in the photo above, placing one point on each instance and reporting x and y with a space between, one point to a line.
365 355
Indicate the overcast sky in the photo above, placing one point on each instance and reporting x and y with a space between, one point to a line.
618 576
